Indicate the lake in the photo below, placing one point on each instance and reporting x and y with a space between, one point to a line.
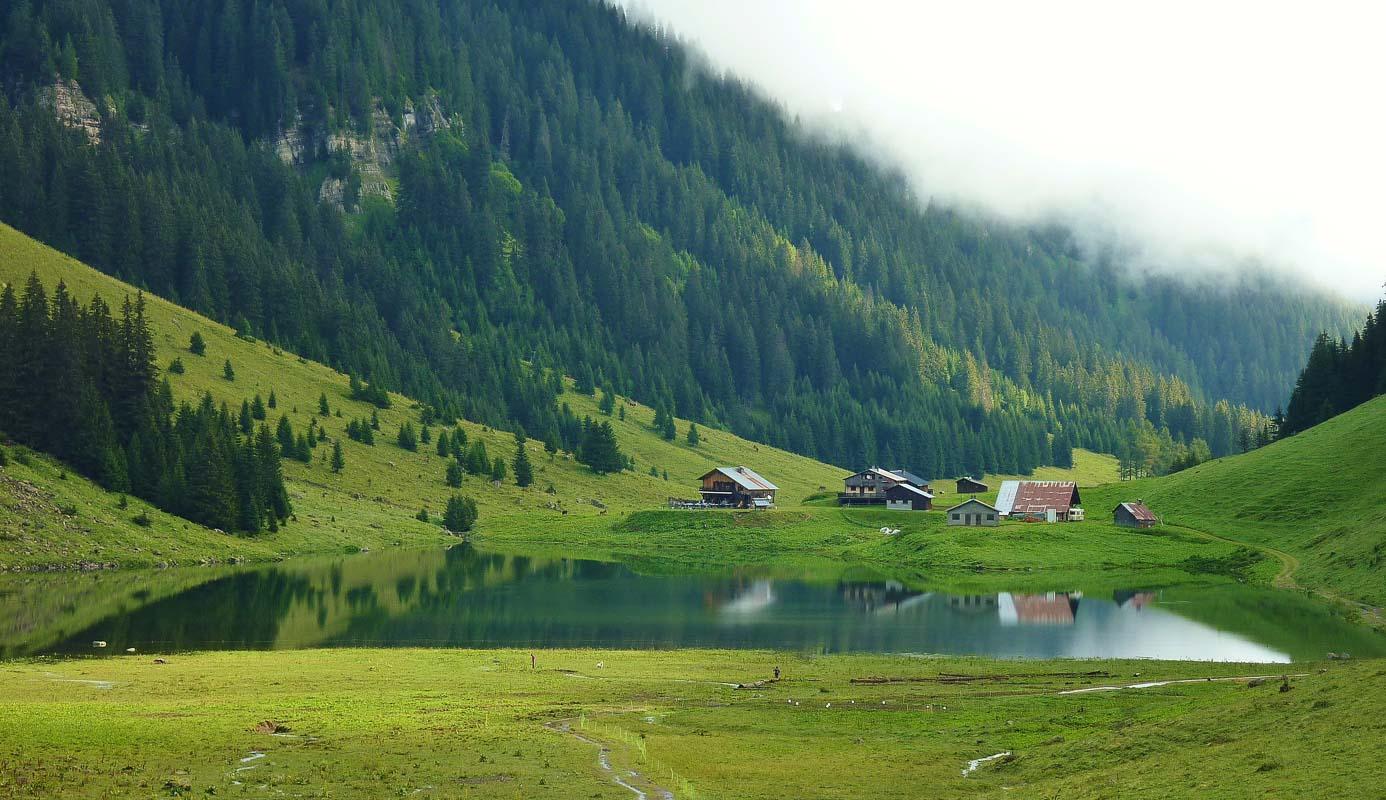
463 597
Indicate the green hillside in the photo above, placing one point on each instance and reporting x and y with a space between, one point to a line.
49 515
1317 497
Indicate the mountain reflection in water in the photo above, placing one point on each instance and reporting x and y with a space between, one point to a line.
466 598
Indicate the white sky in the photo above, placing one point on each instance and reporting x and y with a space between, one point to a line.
1201 133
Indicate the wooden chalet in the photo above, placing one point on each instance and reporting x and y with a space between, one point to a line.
974 513
871 486
738 487
1134 515
969 486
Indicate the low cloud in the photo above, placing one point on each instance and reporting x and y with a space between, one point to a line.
1197 138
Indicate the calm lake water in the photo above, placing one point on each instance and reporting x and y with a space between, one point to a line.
466 598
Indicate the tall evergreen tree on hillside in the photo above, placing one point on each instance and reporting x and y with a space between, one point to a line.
524 471
599 450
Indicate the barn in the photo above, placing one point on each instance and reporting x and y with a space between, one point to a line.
1040 501
974 513
906 497
969 486
1134 515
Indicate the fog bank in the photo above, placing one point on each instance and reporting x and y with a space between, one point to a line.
1199 136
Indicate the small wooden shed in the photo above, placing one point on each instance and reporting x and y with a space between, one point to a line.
974 513
1134 515
969 486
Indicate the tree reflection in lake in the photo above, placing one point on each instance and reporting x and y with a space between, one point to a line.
466 598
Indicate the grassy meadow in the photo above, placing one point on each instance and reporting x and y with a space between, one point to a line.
432 723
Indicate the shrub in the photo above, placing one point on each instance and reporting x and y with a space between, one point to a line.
176 366
142 519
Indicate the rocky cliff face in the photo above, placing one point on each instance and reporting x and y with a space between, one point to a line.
372 154
72 108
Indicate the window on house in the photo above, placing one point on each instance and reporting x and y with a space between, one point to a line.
991 517
957 517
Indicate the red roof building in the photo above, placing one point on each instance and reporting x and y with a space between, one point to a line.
1037 498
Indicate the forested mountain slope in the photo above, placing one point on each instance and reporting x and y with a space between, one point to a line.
50 515
430 193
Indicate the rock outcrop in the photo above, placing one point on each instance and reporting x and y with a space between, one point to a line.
72 108
372 154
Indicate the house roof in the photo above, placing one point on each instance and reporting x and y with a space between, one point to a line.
746 478
911 477
1040 496
971 502
970 479
880 473
905 487
1005 498
1139 512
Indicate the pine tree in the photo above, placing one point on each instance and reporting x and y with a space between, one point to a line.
607 405
454 474
444 444
245 418
692 435
338 461
460 515
284 434
406 439
227 371
375 419
524 472
586 382
323 409
257 408
599 450
273 401
498 469
424 436
478 461
196 344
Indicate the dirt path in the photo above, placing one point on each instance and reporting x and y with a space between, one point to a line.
1285 578
637 784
